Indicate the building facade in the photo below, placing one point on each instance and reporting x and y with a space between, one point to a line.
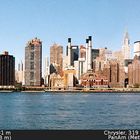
134 72
7 69
98 64
20 74
115 74
126 46
56 82
73 53
95 53
56 59
137 48
46 71
82 53
94 80
69 78
33 63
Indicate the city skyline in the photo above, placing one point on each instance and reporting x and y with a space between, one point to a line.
105 20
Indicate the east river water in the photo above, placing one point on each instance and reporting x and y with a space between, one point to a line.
35 111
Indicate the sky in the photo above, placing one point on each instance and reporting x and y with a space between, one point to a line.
53 21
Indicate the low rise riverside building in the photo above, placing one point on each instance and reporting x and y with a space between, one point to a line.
94 80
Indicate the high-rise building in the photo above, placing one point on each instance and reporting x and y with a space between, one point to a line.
74 54
103 55
20 73
56 59
82 52
7 69
46 71
137 48
134 72
98 64
126 46
33 63
94 53
115 73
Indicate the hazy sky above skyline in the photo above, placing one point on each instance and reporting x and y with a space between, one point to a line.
56 20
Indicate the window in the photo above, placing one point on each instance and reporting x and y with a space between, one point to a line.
31 65
32 47
32 83
102 82
32 56
31 75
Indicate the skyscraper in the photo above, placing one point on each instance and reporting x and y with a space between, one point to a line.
134 72
20 74
137 48
7 69
115 73
94 53
46 71
33 63
56 58
82 53
126 46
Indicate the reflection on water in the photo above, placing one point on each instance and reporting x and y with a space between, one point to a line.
69 111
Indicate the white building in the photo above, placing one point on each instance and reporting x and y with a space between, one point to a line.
137 48
20 73
88 61
126 46
46 71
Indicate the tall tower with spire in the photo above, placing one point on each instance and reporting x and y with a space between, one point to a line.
126 46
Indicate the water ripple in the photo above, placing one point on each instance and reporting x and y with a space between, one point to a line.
69 111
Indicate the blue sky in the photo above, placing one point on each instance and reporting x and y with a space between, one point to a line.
56 20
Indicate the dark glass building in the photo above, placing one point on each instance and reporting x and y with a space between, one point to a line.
7 69
95 53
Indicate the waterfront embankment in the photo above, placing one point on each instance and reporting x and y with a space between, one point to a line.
83 90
